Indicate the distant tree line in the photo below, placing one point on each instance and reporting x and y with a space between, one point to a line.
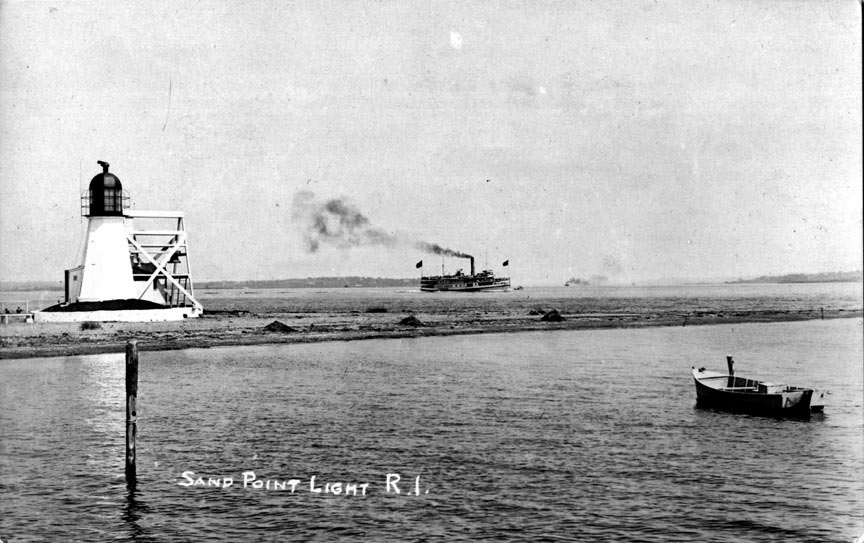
320 282
15 286
313 282
827 277
360 282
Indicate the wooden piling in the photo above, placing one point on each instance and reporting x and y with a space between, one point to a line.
131 410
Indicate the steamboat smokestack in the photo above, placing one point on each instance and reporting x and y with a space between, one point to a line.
472 265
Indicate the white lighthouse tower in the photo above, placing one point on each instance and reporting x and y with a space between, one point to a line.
126 272
105 270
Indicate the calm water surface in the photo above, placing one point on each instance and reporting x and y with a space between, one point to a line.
586 299
547 436
661 299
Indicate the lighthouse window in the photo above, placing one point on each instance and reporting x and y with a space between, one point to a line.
112 200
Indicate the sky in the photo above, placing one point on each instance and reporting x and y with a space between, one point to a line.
636 140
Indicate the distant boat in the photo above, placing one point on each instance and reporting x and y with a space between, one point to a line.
461 282
731 393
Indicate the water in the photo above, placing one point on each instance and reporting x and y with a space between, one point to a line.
542 436
659 299
647 299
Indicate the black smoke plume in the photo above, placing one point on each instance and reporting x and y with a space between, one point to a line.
436 249
339 223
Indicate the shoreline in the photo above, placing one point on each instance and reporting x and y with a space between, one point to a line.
242 328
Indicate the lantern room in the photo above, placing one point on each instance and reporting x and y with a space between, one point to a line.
105 197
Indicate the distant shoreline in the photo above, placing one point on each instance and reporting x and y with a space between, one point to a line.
240 328
831 277
386 282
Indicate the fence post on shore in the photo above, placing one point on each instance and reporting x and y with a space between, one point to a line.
131 411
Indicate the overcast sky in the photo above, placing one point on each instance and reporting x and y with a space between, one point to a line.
637 140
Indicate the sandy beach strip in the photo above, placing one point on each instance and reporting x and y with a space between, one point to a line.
243 328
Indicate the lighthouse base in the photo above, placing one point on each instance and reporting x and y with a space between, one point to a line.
123 315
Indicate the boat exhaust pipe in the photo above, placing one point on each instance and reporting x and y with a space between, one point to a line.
472 265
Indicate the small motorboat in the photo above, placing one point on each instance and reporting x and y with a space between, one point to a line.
732 393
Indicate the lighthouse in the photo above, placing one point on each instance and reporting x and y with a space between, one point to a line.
105 270
133 265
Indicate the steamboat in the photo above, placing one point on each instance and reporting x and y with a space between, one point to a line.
461 282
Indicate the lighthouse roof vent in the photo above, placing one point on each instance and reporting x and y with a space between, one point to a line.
105 180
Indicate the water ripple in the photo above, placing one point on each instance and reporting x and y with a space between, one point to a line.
571 437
